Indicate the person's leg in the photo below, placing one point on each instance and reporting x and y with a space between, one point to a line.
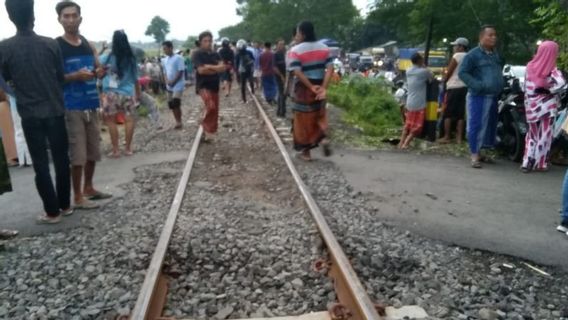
447 130
530 147
93 154
35 134
460 128
113 131
563 227
59 145
545 141
129 126
243 84
76 129
474 125
403 137
408 140
253 88
280 112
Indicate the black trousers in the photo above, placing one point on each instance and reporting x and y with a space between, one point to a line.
281 111
245 78
41 133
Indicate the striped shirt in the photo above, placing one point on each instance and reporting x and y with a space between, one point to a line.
312 58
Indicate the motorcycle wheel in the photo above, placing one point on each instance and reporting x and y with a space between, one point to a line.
511 139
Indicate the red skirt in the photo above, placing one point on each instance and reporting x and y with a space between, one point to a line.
309 129
414 121
210 122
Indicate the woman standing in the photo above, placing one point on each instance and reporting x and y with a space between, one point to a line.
121 90
244 64
312 65
209 65
541 101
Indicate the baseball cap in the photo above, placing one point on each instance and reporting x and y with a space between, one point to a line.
461 42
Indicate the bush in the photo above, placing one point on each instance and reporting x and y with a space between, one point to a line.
369 104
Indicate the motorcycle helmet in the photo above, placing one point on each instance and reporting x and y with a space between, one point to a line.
241 44
225 41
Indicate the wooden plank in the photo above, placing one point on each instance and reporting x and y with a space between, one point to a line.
150 284
363 308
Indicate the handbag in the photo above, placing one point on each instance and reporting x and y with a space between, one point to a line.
303 95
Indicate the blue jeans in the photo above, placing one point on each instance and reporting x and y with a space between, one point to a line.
565 200
482 116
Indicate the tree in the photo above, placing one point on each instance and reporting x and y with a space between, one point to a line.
236 32
190 42
553 16
158 29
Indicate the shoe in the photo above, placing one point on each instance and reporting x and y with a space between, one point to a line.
86 205
45 219
563 227
67 212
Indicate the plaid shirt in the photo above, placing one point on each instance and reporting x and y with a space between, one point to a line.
35 66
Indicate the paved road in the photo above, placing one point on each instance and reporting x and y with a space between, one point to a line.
19 209
496 209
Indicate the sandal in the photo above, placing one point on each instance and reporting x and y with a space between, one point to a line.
113 155
525 170
8 234
67 212
45 219
98 196
326 150
303 157
86 205
476 164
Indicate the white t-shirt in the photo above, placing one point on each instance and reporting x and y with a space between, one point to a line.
455 82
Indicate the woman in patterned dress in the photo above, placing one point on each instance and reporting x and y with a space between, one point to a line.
543 81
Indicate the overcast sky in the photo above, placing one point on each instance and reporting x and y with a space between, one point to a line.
102 17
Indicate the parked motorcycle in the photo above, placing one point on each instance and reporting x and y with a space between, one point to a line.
512 125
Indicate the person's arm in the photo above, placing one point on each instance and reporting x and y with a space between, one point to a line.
466 74
451 69
558 81
295 66
322 93
59 65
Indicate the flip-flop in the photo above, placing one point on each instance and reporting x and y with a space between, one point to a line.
48 220
8 234
304 158
99 196
86 205
128 153
476 164
113 155
326 150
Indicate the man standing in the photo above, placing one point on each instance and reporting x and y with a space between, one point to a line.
228 57
417 77
481 70
456 92
267 69
35 66
209 65
280 72
81 101
257 72
174 71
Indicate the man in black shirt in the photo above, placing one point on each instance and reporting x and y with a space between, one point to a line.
209 65
35 65
280 72
228 56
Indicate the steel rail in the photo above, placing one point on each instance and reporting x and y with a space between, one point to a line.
149 287
364 308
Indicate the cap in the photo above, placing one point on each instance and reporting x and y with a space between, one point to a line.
461 42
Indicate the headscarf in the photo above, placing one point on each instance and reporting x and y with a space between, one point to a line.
543 63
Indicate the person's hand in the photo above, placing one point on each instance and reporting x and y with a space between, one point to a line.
105 45
321 94
3 96
85 75
315 89
101 72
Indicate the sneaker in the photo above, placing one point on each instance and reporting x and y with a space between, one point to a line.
563 227
45 219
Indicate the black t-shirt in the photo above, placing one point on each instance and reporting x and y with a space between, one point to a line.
280 61
209 82
227 55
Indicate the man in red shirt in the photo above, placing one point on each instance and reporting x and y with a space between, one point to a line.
268 79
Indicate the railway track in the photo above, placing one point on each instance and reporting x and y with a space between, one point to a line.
162 275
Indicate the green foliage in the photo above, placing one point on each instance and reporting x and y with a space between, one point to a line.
267 20
190 42
409 22
553 16
159 29
368 103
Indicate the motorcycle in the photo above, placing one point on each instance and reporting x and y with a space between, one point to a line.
512 125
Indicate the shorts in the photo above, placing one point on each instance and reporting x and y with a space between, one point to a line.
257 73
114 103
456 99
227 76
174 95
415 121
84 136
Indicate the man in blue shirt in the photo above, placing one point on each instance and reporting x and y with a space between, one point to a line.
481 70
174 77
82 102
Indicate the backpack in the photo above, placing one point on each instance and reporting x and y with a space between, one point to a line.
246 63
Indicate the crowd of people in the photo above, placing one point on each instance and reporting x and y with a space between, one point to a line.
65 89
